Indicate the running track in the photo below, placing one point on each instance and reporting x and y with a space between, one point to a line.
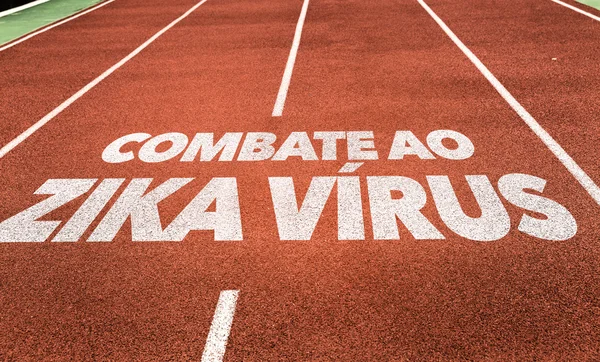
360 66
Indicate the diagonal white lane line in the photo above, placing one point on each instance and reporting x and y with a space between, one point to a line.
580 175
216 342
289 67
47 118
574 8
31 35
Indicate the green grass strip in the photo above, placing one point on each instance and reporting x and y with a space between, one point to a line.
20 23
592 3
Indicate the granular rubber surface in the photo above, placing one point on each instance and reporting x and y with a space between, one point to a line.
380 66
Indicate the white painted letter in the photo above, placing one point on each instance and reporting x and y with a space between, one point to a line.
226 220
294 223
148 151
465 146
257 146
89 210
361 146
329 143
203 143
143 209
405 143
112 153
304 148
385 209
559 223
351 224
493 224
24 227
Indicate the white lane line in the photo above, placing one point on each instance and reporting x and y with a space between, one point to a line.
574 8
31 35
585 181
47 118
214 350
22 7
289 67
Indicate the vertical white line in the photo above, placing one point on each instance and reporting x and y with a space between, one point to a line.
289 67
47 118
214 350
577 10
585 181
31 35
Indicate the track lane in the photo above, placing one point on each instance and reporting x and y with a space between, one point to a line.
49 68
545 55
390 68
57 20
122 300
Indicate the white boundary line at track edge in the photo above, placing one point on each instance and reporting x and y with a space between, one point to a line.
216 342
572 166
574 8
47 118
51 26
289 67
22 7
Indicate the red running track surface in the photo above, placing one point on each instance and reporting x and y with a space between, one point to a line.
361 66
